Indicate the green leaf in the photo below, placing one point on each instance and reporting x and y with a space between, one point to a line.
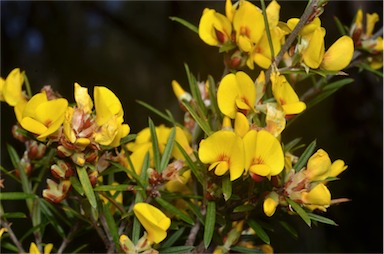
259 231
136 223
203 123
243 208
342 29
112 228
300 211
5 171
172 239
155 144
195 91
76 185
168 150
127 139
120 187
192 165
15 159
328 90
185 23
174 211
87 187
288 147
177 249
227 187
16 196
319 218
212 91
159 113
210 220
305 156
15 215
51 218
194 207
9 246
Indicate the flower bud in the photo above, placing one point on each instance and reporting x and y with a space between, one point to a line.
317 198
56 192
270 204
62 169
127 245
180 93
36 150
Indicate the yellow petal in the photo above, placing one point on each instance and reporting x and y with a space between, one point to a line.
33 249
48 248
314 52
19 108
318 166
337 167
106 105
273 13
339 55
182 139
33 126
319 195
12 92
82 98
270 204
33 103
214 28
241 124
48 112
153 220
269 149
226 95
248 21
371 21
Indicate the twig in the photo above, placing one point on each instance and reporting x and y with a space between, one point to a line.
311 8
7 226
68 239
192 234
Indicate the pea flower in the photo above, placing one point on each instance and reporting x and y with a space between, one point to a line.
263 153
223 150
236 92
339 55
11 88
109 118
318 197
248 23
214 28
43 117
153 220
34 250
285 95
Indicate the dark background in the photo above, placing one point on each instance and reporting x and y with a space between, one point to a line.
134 49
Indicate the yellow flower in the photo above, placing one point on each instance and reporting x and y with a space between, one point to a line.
263 153
34 250
241 125
214 28
317 198
2 231
337 167
223 150
180 93
313 53
339 55
236 92
153 220
270 204
318 166
285 95
109 118
248 23
10 88
275 119
42 116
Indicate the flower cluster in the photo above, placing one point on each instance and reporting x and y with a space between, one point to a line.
216 179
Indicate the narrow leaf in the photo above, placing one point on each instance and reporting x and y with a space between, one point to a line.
300 211
16 196
112 228
15 215
191 164
172 239
210 220
177 249
259 231
305 156
87 187
319 218
203 123
159 113
120 187
76 185
290 229
174 211
246 250
185 23
155 144
243 208
168 150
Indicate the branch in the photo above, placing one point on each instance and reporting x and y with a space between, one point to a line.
7 225
307 15
68 239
